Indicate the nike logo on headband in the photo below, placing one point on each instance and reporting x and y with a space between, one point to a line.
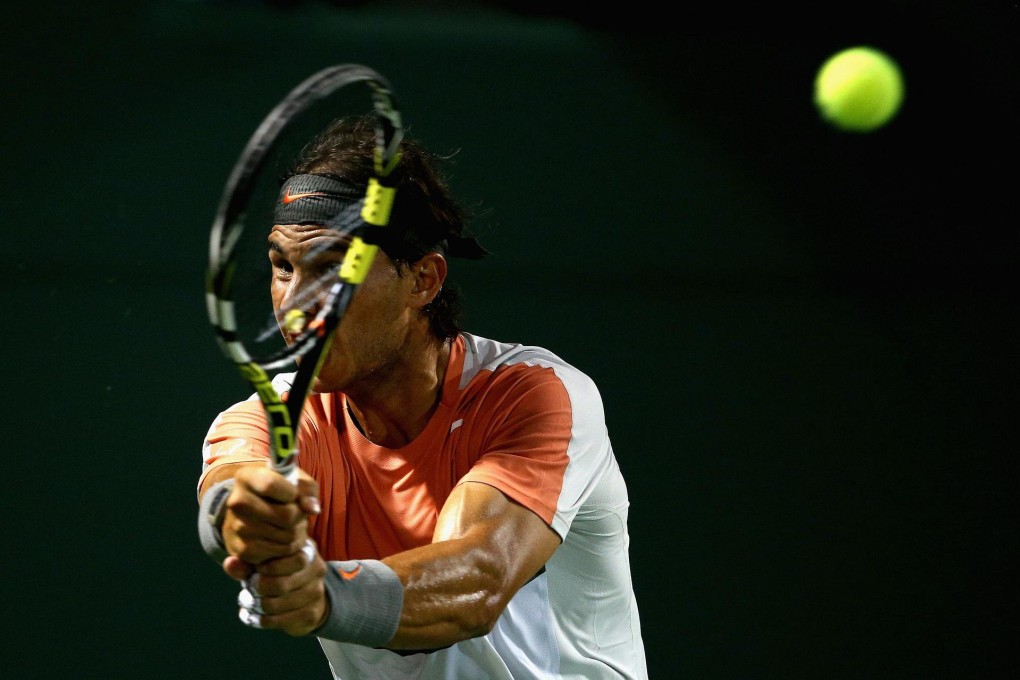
290 198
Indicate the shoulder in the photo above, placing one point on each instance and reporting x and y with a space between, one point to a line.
485 355
527 370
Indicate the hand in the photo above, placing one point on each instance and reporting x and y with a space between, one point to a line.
266 516
286 593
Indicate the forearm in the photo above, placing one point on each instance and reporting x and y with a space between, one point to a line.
451 593
485 548
452 589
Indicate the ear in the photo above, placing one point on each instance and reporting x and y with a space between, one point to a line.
429 274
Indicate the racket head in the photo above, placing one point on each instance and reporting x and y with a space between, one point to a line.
240 306
255 335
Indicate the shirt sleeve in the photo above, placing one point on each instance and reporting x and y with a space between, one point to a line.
238 435
526 446
548 448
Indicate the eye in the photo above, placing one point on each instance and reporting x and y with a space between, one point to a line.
323 263
330 269
282 267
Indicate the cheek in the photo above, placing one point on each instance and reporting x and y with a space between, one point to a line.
374 319
381 295
277 289
367 314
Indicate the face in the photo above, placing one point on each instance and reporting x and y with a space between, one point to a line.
367 345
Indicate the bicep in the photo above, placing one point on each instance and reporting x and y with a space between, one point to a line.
505 532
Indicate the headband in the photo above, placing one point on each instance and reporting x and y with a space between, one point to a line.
334 203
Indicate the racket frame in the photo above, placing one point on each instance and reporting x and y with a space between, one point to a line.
283 415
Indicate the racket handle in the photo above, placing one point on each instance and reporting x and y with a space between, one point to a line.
288 468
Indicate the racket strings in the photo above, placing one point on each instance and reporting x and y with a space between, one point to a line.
284 335
244 309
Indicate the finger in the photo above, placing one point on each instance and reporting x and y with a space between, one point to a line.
282 585
308 493
289 564
248 504
267 483
245 544
297 611
309 505
237 568
273 530
257 530
261 553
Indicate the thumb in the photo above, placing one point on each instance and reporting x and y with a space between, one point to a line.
308 494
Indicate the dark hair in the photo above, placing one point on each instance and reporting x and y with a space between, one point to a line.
425 214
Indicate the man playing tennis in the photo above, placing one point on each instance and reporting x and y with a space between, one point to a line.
460 512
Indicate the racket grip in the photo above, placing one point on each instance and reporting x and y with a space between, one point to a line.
287 467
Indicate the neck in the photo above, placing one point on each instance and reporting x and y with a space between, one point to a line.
396 408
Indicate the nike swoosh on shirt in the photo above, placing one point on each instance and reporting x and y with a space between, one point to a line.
290 198
457 423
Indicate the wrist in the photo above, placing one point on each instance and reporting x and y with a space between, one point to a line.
364 601
211 510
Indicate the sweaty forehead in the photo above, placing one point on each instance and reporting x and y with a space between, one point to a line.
289 236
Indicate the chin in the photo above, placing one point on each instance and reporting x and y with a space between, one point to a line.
332 376
322 384
319 386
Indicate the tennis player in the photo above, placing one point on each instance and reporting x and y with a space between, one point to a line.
460 512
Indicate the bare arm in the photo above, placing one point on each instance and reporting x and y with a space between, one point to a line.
485 547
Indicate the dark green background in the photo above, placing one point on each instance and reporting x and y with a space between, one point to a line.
803 338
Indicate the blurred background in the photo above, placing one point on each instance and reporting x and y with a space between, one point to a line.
803 337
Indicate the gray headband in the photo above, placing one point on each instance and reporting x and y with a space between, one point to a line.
315 199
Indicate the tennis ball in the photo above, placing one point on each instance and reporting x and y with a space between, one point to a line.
294 321
859 89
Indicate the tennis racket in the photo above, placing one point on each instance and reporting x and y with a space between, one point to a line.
249 330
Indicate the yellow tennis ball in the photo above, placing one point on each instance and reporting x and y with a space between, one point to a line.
859 89
294 321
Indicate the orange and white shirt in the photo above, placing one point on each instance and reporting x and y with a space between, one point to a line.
515 417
